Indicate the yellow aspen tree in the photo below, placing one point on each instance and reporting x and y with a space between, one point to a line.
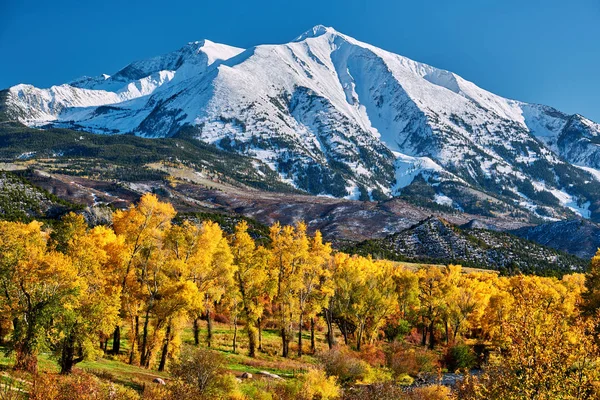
142 227
252 279
347 276
97 306
315 286
376 298
432 297
547 352
289 247
38 285
208 261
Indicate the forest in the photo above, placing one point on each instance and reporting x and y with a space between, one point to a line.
181 299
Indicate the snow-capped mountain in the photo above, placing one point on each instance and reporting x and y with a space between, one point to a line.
335 116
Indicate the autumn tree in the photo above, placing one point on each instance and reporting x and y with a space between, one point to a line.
142 227
95 308
347 278
252 280
38 285
376 298
547 351
289 256
206 255
315 285
434 287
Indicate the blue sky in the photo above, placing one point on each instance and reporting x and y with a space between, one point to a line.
538 51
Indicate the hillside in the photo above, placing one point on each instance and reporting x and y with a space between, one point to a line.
22 201
435 240
124 157
578 237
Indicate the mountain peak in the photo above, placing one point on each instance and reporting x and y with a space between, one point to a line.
339 117
315 31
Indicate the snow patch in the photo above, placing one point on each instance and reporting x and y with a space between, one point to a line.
443 200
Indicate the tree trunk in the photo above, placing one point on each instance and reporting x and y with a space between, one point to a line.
431 335
208 329
313 346
251 339
196 331
2 332
447 332
330 336
148 358
342 326
136 331
67 357
284 343
260 334
26 357
165 349
359 335
116 345
300 321
143 349
235 329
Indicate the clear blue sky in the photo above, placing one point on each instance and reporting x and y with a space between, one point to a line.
538 51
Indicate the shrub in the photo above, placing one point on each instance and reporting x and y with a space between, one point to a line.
433 392
317 386
222 318
384 391
12 391
405 380
340 362
372 355
80 386
200 374
397 331
404 359
460 356
287 390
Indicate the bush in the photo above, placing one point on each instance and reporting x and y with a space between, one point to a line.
343 364
80 386
397 331
403 359
385 391
405 380
433 392
200 374
460 356
12 390
373 355
389 391
317 386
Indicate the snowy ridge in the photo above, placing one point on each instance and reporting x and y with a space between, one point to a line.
336 116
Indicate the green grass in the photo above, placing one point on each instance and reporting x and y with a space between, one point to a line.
267 360
115 368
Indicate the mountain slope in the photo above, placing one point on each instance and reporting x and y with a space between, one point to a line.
435 240
334 116
22 201
578 237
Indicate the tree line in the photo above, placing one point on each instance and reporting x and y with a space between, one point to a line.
79 291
